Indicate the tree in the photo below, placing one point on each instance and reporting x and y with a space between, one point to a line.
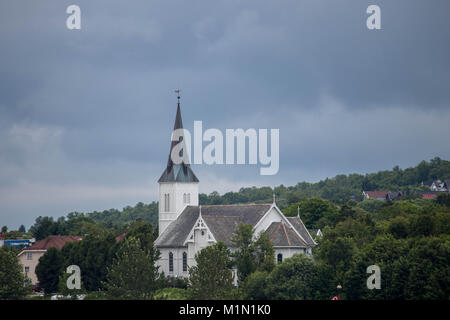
399 227
43 227
294 279
244 256
49 270
4 229
443 199
255 286
211 278
12 279
133 274
22 228
146 235
265 253
64 290
93 254
315 213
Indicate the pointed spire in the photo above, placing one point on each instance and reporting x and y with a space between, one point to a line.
182 172
298 211
274 203
200 211
177 125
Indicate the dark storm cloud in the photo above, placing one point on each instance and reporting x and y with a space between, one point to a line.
85 116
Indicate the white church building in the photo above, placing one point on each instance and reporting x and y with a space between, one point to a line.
185 227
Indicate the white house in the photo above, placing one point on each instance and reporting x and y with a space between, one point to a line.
185 227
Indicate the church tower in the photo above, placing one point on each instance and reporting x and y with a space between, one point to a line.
178 185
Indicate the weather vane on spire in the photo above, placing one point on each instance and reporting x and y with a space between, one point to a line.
178 94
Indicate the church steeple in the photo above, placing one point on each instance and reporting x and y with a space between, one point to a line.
178 185
183 171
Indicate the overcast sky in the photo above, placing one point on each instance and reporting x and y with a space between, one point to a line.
86 115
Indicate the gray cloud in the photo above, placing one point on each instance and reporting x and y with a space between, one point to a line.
85 116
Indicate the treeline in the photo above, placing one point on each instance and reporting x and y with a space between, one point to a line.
338 190
341 188
113 220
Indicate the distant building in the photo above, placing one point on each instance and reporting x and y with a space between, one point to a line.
376 194
29 257
391 196
18 243
429 195
442 186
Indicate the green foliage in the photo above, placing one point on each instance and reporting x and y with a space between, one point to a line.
371 205
255 286
211 278
264 253
244 255
443 199
133 274
342 188
93 254
117 218
294 279
315 213
171 294
12 279
49 269
251 254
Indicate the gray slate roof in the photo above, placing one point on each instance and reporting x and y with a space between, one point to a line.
222 220
282 235
301 229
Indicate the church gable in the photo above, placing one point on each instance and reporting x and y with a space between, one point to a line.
294 223
201 226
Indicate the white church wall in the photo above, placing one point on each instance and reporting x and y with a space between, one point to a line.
272 216
163 262
287 252
177 200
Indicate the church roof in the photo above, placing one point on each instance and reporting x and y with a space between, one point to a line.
177 172
301 229
283 235
222 221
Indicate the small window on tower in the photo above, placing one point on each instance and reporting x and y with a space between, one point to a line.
167 202
188 198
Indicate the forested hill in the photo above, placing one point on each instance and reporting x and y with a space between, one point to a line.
342 187
338 190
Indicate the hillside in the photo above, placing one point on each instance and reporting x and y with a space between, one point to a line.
338 190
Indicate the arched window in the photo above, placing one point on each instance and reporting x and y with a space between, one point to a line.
170 262
166 202
279 258
184 198
188 198
184 261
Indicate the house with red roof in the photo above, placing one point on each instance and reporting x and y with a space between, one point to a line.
376 194
29 257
